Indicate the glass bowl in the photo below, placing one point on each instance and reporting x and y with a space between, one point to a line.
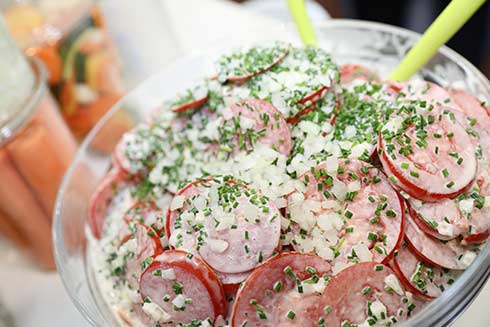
375 45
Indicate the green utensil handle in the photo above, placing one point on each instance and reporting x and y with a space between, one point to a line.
303 23
454 16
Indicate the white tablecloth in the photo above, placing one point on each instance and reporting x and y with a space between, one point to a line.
37 299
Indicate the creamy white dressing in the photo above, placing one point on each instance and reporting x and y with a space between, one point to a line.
118 297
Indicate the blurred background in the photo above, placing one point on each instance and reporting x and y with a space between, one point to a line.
472 41
64 63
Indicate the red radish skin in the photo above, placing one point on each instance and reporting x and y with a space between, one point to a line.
191 105
262 235
277 132
347 296
418 187
244 78
148 245
405 264
433 251
277 303
351 72
199 282
362 209
101 199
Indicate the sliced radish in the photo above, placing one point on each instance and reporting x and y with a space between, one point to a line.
297 82
441 219
351 72
253 121
106 195
365 293
421 278
231 282
137 150
191 98
243 64
135 253
347 213
181 288
430 92
232 227
477 207
430 158
446 254
284 291
472 107
146 212
320 110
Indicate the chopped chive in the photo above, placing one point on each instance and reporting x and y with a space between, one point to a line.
277 286
310 270
366 290
351 195
289 272
178 288
299 286
261 315
372 236
291 314
391 213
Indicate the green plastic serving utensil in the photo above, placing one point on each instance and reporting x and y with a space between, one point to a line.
303 23
452 18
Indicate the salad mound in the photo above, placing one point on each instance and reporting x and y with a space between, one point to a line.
287 190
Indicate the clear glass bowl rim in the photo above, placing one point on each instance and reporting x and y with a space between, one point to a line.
441 312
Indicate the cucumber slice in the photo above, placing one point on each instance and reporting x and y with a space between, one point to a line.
80 67
71 38
68 67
